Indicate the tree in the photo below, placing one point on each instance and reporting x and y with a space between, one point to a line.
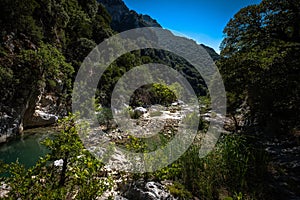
36 71
260 63
17 16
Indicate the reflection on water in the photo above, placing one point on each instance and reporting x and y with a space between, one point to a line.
26 149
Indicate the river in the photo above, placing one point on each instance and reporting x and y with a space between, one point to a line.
27 148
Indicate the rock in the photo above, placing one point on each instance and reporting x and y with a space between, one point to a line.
4 190
124 19
139 111
177 103
120 198
140 190
284 154
174 104
58 163
9 127
41 118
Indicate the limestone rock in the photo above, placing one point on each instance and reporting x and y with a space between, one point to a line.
139 111
41 118
151 191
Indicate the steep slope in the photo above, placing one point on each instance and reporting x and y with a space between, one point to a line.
42 44
124 19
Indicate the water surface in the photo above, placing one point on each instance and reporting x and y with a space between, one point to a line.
27 148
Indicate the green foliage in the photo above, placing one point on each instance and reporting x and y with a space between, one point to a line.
89 6
205 103
81 26
6 81
156 93
27 73
162 94
78 50
148 144
179 191
18 16
45 66
233 165
260 66
155 113
136 144
104 116
170 172
191 120
195 122
260 63
79 175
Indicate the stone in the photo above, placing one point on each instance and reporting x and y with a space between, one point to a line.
58 163
41 118
139 111
140 190
4 190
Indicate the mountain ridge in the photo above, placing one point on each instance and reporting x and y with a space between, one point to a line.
124 19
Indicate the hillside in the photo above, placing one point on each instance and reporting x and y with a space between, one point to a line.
36 92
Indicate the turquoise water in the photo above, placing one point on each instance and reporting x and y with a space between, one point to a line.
27 149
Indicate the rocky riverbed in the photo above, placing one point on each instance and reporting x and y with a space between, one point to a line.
284 166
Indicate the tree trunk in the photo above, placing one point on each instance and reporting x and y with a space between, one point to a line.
63 171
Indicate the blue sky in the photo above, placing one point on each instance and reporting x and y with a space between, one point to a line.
201 20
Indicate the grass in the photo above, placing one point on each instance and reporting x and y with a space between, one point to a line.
233 168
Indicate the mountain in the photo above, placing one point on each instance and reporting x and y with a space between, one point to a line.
213 54
125 19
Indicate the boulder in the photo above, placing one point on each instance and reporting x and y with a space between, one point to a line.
41 118
139 111
140 190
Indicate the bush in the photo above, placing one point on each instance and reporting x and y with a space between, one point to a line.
233 165
104 116
179 191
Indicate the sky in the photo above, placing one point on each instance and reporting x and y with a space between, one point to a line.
201 20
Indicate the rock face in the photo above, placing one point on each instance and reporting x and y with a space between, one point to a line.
41 118
9 126
125 19
42 110
38 111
